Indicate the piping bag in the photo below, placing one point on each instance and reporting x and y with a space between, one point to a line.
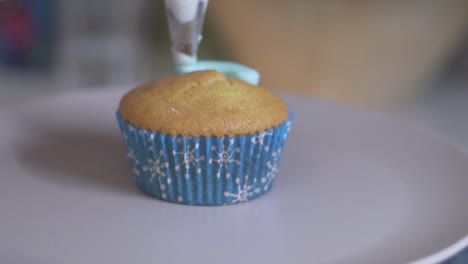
185 19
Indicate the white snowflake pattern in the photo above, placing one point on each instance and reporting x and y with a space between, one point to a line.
134 163
288 125
272 166
150 137
244 191
156 168
259 138
225 157
189 158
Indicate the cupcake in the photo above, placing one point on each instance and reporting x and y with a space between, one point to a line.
204 138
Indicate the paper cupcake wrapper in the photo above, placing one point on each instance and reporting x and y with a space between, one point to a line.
204 170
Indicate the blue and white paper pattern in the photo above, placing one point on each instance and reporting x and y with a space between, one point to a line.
204 170
460 258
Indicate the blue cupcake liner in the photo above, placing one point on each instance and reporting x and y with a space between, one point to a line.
204 170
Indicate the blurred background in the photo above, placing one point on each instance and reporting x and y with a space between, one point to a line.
407 58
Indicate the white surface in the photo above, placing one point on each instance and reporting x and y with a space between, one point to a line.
354 187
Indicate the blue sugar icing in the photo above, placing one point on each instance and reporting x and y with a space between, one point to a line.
230 68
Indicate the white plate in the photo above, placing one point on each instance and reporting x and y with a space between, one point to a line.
354 187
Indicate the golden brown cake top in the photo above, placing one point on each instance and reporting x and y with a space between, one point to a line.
203 103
